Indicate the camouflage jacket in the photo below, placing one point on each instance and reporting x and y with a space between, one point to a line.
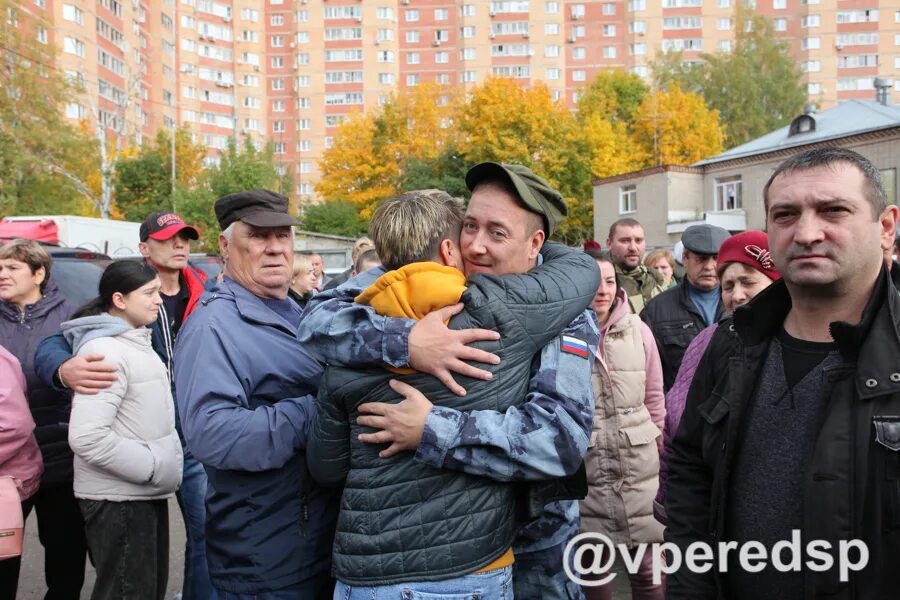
640 284
544 438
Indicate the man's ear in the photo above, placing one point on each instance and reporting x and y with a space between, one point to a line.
537 242
888 222
144 249
223 247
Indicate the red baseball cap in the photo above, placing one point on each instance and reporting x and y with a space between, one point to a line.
163 225
750 248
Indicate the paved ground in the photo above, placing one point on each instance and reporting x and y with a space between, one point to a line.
31 580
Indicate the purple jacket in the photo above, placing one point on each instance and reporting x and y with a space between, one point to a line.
20 333
675 401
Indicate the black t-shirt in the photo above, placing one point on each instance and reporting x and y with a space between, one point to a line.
800 356
176 306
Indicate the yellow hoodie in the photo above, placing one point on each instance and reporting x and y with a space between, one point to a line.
413 291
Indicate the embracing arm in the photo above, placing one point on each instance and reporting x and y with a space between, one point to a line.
544 437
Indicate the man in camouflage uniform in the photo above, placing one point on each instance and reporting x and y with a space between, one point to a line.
626 245
543 438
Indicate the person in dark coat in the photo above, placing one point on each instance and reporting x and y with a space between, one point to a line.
791 429
32 308
677 315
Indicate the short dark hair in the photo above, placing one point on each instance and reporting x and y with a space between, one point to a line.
626 222
366 256
825 157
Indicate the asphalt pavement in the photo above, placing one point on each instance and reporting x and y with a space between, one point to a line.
31 579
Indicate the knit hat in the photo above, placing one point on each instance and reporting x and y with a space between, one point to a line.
750 248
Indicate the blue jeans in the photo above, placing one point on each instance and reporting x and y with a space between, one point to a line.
192 501
493 585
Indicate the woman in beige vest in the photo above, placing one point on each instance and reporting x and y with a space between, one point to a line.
623 458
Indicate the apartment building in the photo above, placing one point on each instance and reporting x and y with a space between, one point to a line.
290 71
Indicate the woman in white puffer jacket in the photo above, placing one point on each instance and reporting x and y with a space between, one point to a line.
128 459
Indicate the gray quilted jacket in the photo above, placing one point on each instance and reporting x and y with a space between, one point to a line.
401 520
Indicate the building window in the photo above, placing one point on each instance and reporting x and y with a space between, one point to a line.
728 193
609 31
276 20
73 13
73 46
278 127
467 10
412 80
412 37
780 24
277 62
412 15
551 28
441 14
412 58
609 52
810 43
627 199
278 106
384 12
551 51
551 8
468 76
779 4
609 8
442 57
578 75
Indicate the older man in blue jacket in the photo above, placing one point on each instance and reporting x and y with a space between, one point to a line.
246 392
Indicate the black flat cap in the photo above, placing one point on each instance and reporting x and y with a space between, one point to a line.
260 208
704 239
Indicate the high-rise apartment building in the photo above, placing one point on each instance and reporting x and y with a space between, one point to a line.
291 70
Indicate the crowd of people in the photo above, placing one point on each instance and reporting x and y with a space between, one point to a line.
444 417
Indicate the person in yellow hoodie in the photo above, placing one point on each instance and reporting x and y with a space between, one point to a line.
406 527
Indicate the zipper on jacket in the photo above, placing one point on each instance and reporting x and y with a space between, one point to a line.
304 514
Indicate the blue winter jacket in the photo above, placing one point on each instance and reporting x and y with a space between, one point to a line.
246 392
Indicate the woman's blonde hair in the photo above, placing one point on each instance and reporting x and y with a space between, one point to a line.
302 264
658 254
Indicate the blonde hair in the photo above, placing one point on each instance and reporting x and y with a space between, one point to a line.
658 254
410 227
302 264
31 253
361 245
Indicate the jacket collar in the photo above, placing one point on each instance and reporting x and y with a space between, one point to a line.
684 296
51 299
872 343
250 307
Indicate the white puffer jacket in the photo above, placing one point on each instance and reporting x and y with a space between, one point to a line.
124 438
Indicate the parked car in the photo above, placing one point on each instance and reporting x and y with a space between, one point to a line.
77 273
211 264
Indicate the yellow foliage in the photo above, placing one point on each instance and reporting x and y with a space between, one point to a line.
613 150
353 169
686 131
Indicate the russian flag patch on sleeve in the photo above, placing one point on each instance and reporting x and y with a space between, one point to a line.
573 345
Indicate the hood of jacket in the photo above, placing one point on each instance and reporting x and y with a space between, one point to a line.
415 290
78 332
50 300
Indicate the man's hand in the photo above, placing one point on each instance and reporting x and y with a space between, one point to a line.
437 350
87 374
401 424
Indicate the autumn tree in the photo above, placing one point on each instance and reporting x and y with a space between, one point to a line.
756 88
144 182
676 127
38 146
355 168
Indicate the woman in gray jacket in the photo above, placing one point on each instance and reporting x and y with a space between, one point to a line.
128 457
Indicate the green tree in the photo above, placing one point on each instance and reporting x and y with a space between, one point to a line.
756 88
40 151
144 183
196 207
336 218
446 172
246 168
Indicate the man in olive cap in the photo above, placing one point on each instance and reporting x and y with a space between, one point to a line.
511 213
677 315
246 391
